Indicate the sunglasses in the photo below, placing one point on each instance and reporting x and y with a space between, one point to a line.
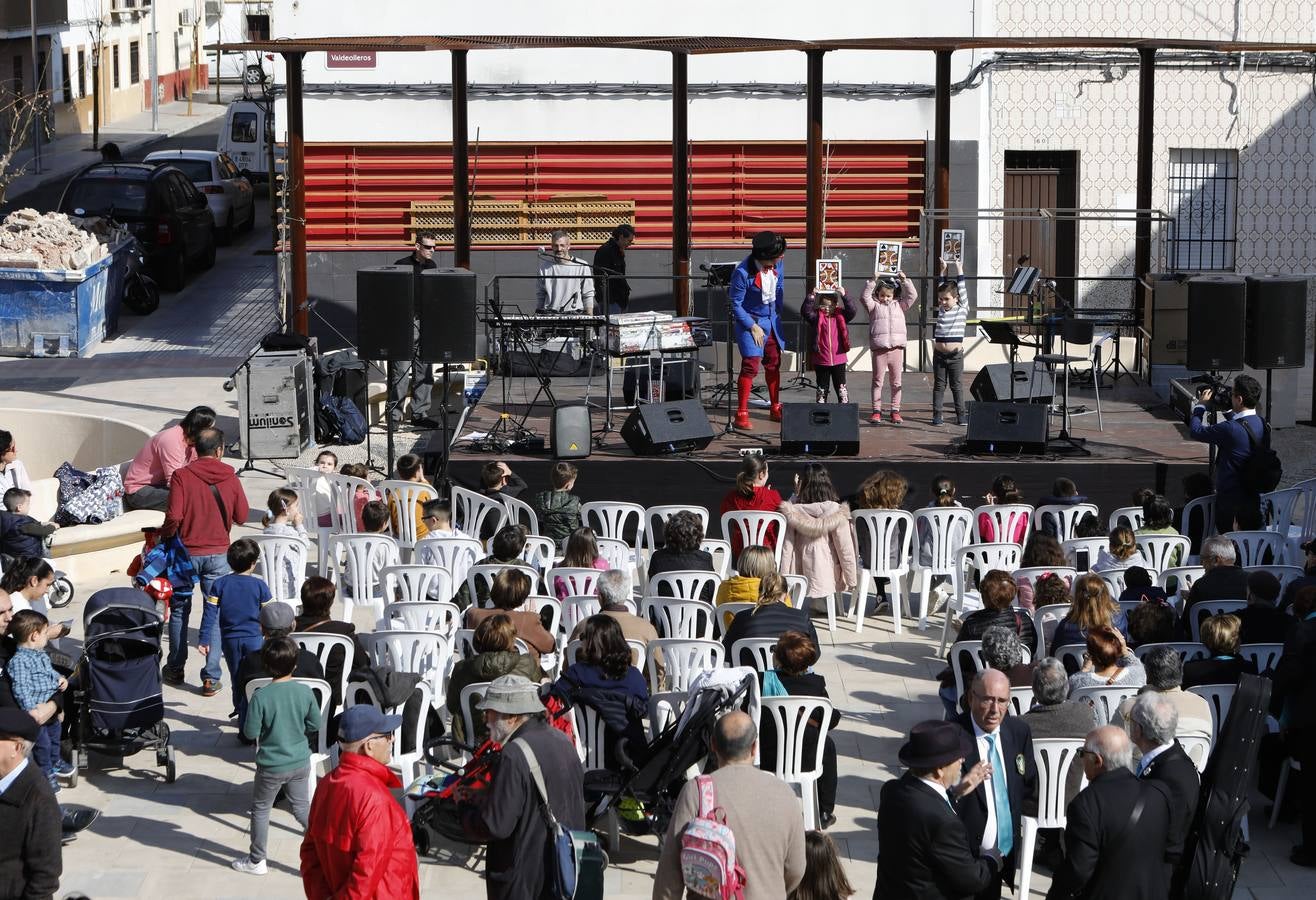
427 246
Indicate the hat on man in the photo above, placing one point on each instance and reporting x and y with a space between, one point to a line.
768 245
512 695
276 616
933 744
14 723
363 720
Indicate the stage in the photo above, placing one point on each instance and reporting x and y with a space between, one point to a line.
1143 445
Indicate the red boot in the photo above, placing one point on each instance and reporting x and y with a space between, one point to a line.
773 377
743 387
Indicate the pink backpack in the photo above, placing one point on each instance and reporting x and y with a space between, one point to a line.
708 850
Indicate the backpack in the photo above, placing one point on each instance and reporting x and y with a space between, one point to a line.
708 850
338 421
1262 469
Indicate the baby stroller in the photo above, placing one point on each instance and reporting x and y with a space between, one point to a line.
652 776
118 700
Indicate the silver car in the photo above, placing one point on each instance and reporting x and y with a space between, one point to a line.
228 192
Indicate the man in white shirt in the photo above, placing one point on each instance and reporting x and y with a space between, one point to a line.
566 284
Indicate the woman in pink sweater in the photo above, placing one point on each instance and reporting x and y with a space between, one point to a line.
827 315
887 336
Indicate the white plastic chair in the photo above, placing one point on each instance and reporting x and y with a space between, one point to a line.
417 583
1004 518
355 563
981 558
303 481
470 695
1083 552
639 653
1289 765
1259 548
1203 508
720 550
790 717
1183 577
520 513
456 554
1285 574
343 510
760 649
1207 608
1050 614
1105 699
1116 580
1218 697
683 619
1162 551
324 697
665 707
1054 757
683 584
402 497
408 759
482 575
423 615
1064 517
1187 650
618 556
797 586
612 519
1071 656
726 612
1277 508
539 552
683 659
422 653
580 581
322 645
655 519
752 528
888 537
576 610
471 511
1021 700
591 736
282 566
1131 517
537 603
973 650
1263 656
463 643
1031 574
1197 746
940 531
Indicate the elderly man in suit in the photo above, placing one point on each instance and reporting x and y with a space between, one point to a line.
1003 746
923 850
1117 830
1153 722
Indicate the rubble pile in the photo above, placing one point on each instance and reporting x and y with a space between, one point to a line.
33 240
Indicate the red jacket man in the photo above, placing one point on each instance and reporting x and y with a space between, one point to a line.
358 842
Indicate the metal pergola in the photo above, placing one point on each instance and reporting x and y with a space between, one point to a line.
294 52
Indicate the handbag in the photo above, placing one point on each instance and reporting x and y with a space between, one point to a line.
574 861
88 498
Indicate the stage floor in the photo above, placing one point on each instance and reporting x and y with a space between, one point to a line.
1143 444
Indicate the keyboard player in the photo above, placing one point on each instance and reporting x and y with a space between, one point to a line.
566 284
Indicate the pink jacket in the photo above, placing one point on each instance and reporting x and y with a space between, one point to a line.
886 321
164 454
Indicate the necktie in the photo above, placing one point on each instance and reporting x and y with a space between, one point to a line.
1001 794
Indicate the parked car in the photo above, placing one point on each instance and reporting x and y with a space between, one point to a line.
247 135
228 191
159 205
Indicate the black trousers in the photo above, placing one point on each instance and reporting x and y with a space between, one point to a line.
947 368
1241 506
830 377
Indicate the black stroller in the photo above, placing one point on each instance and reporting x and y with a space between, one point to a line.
653 775
117 697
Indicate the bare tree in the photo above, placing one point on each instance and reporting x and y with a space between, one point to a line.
96 24
18 113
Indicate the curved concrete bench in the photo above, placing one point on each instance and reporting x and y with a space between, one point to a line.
47 439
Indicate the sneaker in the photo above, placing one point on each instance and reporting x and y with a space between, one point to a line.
895 417
64 767
54 782
210 688
248 865
171 676
961 419
827 820
875 418
936 420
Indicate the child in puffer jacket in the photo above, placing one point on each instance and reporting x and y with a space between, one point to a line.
830 340
887 336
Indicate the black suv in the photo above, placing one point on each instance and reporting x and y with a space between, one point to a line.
159 205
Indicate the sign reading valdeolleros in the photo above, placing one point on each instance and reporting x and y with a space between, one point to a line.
350 59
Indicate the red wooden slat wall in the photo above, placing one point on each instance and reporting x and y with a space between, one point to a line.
358 195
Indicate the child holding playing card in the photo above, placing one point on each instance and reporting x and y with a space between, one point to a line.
887 336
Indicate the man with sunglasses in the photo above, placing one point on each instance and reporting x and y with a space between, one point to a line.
420 373
358 840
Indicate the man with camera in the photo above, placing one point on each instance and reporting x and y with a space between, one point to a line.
1237 439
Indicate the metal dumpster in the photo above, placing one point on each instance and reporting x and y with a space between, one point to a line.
61 312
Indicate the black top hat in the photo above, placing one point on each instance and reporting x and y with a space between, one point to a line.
933 744
768 245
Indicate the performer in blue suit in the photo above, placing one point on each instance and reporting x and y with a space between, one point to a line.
757 296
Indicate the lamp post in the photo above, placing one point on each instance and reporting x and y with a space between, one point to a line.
36 92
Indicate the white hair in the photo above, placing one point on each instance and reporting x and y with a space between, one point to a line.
1221 549
613 588
1114 748
1157 716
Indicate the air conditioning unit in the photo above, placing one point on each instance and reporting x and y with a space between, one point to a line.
186 18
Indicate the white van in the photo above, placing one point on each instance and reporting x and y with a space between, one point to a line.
246 136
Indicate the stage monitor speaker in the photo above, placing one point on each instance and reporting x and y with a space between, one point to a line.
385 312
820 429
445 305
1216 322
1276 322
1006 428
653 429
993 383
570 431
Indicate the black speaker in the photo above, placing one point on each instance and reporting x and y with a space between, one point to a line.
570 431
1276 322
653 429
385 316
1216 322
825 429
993 383
445 305
1006 428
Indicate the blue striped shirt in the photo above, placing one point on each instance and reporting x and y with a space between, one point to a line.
32 677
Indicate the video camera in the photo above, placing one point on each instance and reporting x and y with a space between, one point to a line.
1221 392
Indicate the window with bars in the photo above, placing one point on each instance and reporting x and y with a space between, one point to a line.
1203 198
134 62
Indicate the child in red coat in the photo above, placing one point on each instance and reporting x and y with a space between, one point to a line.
831 340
